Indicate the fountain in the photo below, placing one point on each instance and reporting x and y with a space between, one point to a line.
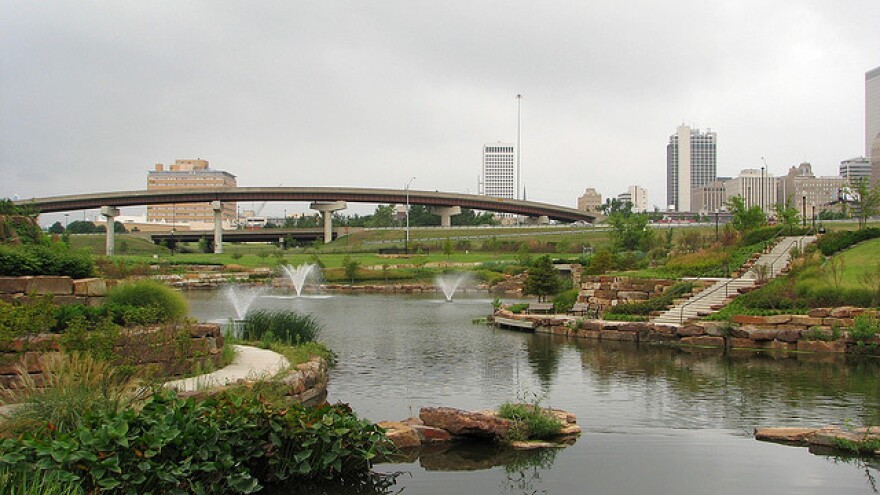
242 298
300 274
450 282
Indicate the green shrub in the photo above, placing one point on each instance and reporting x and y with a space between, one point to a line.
54 258
532 422
34 316
281 325
518 308
74 386
864 328
233 442
150 294
623 317
839 240
564 301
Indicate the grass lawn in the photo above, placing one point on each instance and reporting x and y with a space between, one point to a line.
856 261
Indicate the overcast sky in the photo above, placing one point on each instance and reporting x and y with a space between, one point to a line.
369 94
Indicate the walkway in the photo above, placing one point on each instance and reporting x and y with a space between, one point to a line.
250 362
723 290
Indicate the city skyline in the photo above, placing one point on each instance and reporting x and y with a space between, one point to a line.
94 95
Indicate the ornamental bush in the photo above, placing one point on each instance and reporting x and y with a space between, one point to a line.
233 442
839 240
285 326
166 303
55 258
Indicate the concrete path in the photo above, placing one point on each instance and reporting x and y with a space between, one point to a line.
250 362
720 293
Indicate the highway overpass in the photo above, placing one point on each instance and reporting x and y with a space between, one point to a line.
325 199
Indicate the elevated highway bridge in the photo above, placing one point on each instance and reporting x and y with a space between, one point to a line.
324 199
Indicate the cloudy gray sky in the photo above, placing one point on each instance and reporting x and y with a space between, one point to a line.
93 94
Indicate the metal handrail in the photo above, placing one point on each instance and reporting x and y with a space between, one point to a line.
725 286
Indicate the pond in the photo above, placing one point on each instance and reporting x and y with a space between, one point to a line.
655 419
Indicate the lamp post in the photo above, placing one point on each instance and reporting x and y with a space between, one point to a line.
763 185
406 242
716 224
804 211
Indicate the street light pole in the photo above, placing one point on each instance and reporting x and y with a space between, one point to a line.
716 224
406 243
804 211
518 100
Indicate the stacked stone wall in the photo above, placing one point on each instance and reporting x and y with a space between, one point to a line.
170 350
609 291
64 290
822 330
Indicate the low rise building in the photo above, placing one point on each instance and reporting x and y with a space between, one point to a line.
756 187
801 189
590 201
189 174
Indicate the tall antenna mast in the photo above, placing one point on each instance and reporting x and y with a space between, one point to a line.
518 160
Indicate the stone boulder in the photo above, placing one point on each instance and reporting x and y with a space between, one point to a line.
401 435
465 423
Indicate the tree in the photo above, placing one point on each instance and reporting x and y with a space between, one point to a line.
629 231
543 279
56 228
382 217
350 266
866 200
81 227
205 245
786 215
448 247
745 218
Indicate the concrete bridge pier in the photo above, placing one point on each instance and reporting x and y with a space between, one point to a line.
541 220
446 213
327 210
110 213
217 206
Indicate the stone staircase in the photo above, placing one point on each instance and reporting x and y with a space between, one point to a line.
723 290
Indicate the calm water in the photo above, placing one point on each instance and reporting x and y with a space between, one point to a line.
655 420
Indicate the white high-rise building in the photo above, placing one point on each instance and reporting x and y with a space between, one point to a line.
499 172
691 162
637 196
872 108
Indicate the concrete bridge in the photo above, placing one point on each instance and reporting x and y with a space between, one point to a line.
324 199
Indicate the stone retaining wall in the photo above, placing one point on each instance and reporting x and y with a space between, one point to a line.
610 291
807 333
306 382
169 350
64 290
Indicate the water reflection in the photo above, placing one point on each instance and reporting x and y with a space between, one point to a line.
654 407
738 390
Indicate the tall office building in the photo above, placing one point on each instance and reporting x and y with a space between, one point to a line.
690 163
855 169
872 108
872 121
499 173
188 174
